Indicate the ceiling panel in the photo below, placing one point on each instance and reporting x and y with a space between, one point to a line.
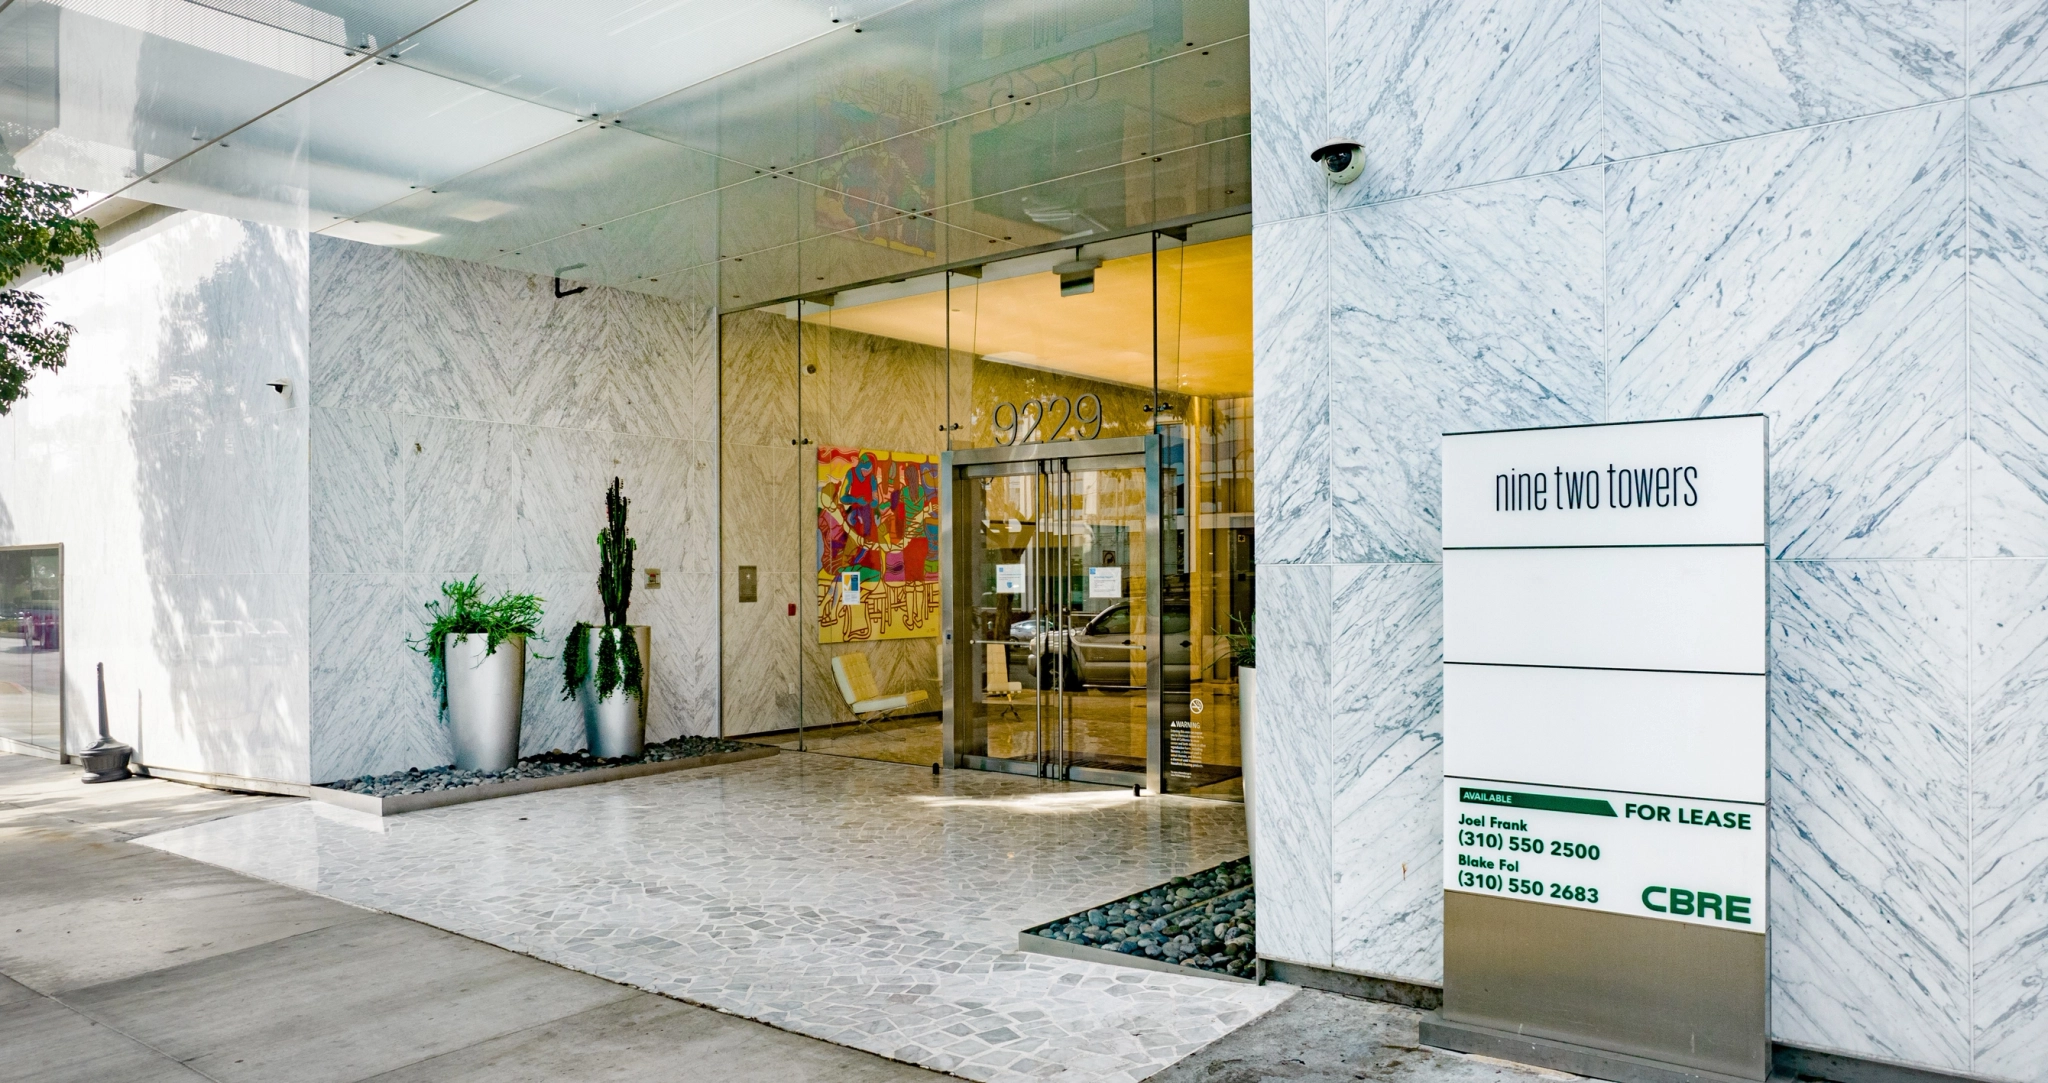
644 145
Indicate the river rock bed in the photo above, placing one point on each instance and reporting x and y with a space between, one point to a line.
1207 920
555 762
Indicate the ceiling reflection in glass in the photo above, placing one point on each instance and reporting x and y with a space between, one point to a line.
762 150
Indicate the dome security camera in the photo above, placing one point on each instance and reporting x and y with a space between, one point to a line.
1342 160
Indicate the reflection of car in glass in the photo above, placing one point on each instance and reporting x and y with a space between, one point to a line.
1104 653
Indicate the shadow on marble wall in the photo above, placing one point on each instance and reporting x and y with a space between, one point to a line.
220 481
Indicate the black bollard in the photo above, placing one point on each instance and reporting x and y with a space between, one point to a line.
107 759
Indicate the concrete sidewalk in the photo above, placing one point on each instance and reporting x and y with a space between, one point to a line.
124 963
118 962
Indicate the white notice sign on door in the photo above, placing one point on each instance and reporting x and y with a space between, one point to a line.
1009 579
1106 582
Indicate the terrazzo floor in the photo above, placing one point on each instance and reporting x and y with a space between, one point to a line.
868 904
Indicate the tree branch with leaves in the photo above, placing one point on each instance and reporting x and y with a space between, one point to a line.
37 232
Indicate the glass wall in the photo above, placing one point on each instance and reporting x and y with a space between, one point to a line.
838 409
31 646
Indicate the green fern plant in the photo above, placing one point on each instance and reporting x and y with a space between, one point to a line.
466 612
618 653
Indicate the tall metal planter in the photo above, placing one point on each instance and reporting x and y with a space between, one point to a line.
1248 740
617 724
485 693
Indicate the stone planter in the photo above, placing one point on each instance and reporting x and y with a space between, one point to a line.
1247 727
616 725
485 692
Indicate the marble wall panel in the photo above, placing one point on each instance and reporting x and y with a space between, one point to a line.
515 498
494 498
764 526
2009 818
871 391
673 489
1290 81
685 688
1815 276
1292 746
1870 937
357 484
757 378
1386 767
425 335
1681 75
421 334
1451 93
1464 310
1291 389
2008 298
2008 44
547 720
646 366
372 696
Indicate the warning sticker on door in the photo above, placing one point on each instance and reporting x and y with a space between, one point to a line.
1106 582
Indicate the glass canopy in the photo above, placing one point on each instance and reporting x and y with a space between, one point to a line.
748 152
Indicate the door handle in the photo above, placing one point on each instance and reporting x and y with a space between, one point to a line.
1127 643
1185 643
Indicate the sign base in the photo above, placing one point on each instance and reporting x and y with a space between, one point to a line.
1560 1056
1689 996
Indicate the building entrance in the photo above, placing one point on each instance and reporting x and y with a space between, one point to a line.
1061 639
999 518
1074 604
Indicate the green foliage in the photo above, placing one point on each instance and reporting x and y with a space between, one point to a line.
36 232
618 652
1244 643
615 559
467 613
618 661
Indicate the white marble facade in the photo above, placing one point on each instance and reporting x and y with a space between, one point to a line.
466 421
175 478
1583 210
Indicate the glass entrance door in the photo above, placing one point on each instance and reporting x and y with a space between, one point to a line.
31 649
1054 611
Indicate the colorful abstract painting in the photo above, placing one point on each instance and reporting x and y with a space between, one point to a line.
878 545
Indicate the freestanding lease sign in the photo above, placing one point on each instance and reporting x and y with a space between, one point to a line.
1604 746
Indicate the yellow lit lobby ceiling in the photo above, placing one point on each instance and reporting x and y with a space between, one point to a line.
1205 320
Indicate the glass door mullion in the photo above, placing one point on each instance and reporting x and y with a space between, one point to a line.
1063 482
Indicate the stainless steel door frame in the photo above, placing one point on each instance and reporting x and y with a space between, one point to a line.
1054 464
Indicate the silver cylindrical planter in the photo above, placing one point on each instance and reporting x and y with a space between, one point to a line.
1247 740
484 695
617 725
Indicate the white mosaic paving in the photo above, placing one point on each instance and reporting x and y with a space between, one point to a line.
867 904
